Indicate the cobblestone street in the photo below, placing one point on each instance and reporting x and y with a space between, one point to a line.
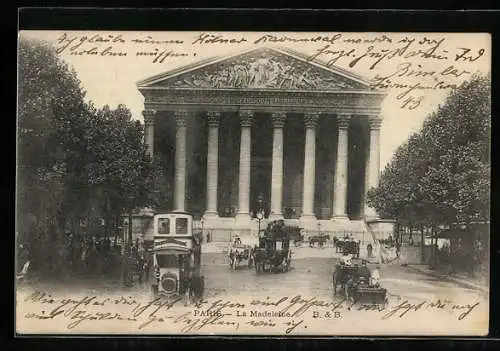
311 275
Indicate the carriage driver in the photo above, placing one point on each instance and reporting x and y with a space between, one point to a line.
364 272
237 241
346 259
376 277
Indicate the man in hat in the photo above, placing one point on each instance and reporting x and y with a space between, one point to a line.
346 259
364 272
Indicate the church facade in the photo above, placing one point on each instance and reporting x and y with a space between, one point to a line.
266 131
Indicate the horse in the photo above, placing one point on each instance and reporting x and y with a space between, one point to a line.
240 253
339 244
319 239
298 240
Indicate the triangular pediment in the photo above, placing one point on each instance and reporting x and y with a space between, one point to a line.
262 68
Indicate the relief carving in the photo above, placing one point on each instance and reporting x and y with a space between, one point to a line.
265 69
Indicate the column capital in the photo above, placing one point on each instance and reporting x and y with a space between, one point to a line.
311 119
213 118
278 119
181 118
375 122
149 117
343 121
246 117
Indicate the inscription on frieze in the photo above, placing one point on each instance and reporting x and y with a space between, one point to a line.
358 101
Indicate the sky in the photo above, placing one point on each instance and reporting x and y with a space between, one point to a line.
109 66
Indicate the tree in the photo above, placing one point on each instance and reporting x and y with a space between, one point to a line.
50 108
441 175
117 167
75 162
160 188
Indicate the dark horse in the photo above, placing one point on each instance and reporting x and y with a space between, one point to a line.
318 239
339 244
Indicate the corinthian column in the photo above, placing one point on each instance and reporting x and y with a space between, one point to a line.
212 164
373 163
277 166
340 194
149 131
243 213
310 121
181 118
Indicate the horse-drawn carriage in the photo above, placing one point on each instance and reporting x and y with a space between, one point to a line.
357 286
273 253
238 253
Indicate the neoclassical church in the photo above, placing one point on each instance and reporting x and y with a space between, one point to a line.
269 132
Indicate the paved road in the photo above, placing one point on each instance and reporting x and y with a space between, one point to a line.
309 276
312 276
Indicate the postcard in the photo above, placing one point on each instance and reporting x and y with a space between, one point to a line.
253 183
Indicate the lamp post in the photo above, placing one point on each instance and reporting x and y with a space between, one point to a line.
260 212
201 222
259 216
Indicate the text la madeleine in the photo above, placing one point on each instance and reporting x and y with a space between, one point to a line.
263 314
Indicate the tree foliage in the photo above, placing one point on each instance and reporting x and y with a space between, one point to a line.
74 161
441 175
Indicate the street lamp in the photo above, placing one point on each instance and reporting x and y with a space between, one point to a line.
260 217
260 200
260 211
201 222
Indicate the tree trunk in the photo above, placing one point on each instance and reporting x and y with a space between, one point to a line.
115 228
434 246
130 237
106 218
422 245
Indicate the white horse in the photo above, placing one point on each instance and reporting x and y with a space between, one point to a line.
238 253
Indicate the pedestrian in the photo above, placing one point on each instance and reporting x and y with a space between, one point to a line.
146 266
125 268
128 275
369 249
140 267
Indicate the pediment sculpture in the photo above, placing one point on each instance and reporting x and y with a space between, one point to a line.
267 70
